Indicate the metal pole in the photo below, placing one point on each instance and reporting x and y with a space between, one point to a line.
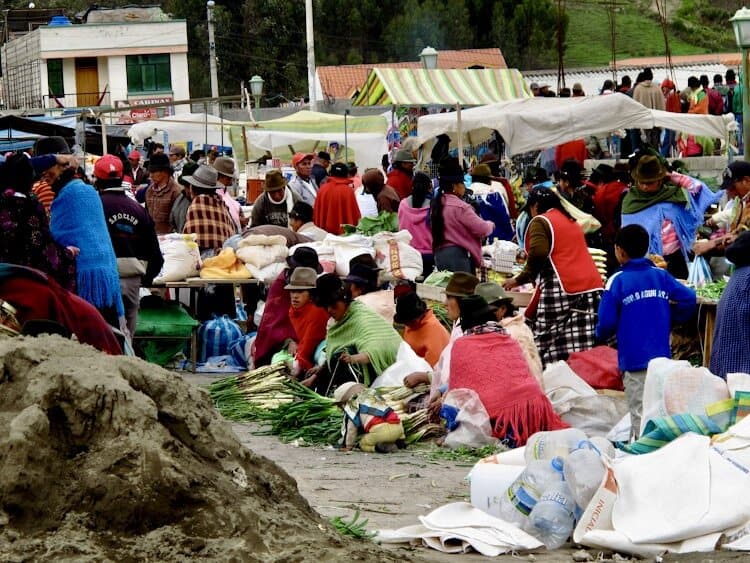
459 127
257 107
212 50
104 137
221 118
346 137
205 117
745 106
310 55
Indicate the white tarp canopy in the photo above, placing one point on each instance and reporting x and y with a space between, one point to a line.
197 127
538 123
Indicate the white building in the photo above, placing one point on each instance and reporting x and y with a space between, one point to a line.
110 64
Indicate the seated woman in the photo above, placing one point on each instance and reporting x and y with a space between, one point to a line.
489 361
38 297
308 320
423 331
513 322
363 284
360 345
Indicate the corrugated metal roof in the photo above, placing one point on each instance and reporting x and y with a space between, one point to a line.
419 87
343 81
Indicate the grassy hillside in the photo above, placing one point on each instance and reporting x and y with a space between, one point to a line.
639 33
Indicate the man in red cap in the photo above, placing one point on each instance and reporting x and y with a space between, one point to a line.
303 184
140 174
133 236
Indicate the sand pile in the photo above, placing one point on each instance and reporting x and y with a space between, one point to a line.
114 458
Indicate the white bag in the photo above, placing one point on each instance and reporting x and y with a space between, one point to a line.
406 362
262 250
394 253
266 274
182 258
324 251
474 429
346 248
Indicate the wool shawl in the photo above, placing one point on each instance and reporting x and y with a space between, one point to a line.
77 219
366 332
309 322
637 200
336 205
275 325
493 365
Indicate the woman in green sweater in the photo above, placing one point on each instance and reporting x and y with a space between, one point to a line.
360 344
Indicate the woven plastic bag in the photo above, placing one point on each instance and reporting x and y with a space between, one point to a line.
473 428
699 273
216 337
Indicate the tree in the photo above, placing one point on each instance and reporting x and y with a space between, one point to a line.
526 32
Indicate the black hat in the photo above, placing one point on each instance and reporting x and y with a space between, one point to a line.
302 211
736 170
304 256
571 171
474 311
339 170
323 155
330 289
409 308
603 173
158 162
450 170
187 170
51 145
363 274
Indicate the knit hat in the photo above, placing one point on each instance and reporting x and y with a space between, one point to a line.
649 169
474 311
134 154
159 162
304 256
108 167
299 157
461 284
302 278
204 177
225 166
493 293
409 308
346 391
404 155
51 145
340 170
275 181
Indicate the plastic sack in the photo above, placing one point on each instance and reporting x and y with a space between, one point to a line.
182 257
346 248
406 362
225 265
324 251
473 428
216 337
699 273
240 350
394 253
597 367
262 250
675 387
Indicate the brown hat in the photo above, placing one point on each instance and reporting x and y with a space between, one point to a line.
225 166
302 278
158 162
481 171
275 181
346 391
649 169
462 284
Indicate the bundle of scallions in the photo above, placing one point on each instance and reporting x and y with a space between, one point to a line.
240 397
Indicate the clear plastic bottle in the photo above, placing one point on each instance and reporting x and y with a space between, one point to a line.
605 447
519 499
583 472
553 516
554 443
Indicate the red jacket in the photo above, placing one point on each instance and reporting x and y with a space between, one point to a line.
572 149
401 182
336 205
309 322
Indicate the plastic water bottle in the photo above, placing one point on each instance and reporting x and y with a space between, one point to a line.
555 443
583 472
553 516
605 447
519 499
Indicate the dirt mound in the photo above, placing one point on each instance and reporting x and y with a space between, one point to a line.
114 458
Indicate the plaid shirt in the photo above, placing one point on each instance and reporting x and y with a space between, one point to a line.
208 217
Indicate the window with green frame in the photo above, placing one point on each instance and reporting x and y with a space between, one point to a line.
148 73
55 77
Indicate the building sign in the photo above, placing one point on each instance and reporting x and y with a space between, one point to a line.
136 115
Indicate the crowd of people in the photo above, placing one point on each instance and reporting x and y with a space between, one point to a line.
96 245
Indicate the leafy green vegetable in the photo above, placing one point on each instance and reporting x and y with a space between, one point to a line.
354 528
712 290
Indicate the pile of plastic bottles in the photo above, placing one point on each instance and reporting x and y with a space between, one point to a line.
564 469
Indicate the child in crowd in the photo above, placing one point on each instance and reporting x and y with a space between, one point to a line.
639 305
422 330
366 414
308 320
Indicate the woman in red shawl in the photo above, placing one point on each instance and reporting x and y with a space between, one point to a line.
336 203
489 361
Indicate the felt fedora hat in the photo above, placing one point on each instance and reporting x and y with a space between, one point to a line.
461 284
275 181
204 177
225 166
492 292
474 311
304 256
649 169
302 278
409 308
159 162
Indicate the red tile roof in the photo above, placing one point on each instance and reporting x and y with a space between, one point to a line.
341 82
726 59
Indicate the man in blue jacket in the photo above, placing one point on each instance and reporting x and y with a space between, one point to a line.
639 305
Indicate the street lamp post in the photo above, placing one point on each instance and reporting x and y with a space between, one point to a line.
429 57
256 89
212 51
741 24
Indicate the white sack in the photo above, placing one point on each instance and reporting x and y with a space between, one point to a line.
261 250
346 248
394 253
474 429
182 257
406 362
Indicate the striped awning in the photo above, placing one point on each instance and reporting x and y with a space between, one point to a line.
446 87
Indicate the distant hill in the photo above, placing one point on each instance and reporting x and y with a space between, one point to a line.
695 26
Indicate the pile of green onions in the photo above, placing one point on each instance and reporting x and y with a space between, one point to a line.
240 397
